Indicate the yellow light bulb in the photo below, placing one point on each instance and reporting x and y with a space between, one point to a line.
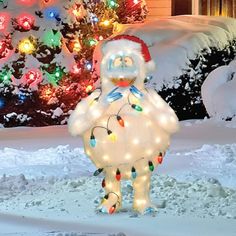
106 22
26 46
77 46
112 137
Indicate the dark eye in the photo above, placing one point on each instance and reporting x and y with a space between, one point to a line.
129 61
117 62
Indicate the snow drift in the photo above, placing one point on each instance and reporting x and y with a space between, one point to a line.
219 92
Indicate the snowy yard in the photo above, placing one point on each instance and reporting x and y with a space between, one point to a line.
47 187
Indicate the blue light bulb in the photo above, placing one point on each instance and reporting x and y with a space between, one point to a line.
93 141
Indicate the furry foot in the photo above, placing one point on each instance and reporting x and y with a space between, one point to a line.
148 209
110 204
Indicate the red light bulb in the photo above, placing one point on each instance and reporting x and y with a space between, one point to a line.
121 121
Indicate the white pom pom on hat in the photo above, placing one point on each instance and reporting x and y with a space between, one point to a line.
133 42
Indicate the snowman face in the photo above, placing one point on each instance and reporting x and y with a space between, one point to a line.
122 68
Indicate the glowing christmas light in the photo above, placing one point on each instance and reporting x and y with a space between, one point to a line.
4 20
52 13
93 42
121 121
25 21
88 66
98 172
133 173
112 209
112 3
112 136
5 77
151 166
46 93
33 77
27 3
118 175
137 107
159 158
78 11
104 183
100 38
52 38
4 49
2 103
76 46
136 92
55 77
21 97
26 46
75 69
89 88
93 141
106 23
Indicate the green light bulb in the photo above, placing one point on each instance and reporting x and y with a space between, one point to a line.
137 107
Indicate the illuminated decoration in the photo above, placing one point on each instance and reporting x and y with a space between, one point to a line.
105 23
4 20
52 13
78 11
55 77
137 107
124 128
2 103
46 34
159 158
93 42
27 3
25 21
89 88
151 166
133 173
93 141
5 76
46 3
27 46
75 46
104 183
22 97
88 65
4 49
46 93
112 3
32 78
76 69
52 38
98 172
118 175
121 121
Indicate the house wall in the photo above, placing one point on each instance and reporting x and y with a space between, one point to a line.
158 8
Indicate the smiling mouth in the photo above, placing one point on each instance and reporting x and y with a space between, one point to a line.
123 82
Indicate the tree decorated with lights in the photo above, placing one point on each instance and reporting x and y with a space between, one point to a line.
46 52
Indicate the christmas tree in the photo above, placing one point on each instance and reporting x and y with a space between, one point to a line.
46 52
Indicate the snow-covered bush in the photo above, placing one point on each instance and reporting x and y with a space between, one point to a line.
219 92
186 49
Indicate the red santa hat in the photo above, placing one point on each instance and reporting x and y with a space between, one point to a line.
136 43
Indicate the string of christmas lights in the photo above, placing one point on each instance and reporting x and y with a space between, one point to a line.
44 31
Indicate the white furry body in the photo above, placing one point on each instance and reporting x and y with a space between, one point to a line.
137 143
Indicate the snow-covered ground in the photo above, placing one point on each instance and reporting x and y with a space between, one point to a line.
47 187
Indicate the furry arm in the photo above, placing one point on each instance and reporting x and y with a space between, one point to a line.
163 113
86 113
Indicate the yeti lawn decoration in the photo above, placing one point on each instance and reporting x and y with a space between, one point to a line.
125 128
